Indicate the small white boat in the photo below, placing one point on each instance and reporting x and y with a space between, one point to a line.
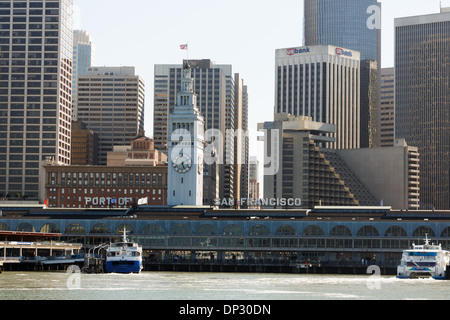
124 257
424 261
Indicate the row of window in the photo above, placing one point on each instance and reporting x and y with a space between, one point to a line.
230 230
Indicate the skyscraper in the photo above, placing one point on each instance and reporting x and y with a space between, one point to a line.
223 102
111 103
342 23
422 100
35 90
83 58
387 97
321 82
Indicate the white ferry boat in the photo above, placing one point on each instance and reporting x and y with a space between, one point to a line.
124 257
424 261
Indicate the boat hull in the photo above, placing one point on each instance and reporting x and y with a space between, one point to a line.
123 266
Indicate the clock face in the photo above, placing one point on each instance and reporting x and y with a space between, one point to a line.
182 164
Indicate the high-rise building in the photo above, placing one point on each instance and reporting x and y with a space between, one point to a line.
84 148
369 106
330 177
83 58
223 102
321 82
422 99
355 25
343 23
387 97
35 90
111 103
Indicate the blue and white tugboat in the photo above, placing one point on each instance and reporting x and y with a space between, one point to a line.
124 257
424 261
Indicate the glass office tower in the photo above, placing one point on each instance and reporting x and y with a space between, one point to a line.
342 23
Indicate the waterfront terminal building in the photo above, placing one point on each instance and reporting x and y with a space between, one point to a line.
171 235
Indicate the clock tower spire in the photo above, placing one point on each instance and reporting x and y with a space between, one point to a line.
186 146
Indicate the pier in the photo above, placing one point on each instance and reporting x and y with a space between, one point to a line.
266 266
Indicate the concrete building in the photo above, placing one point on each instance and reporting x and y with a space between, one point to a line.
356 25
392 174
321 82
84 148
141 152
111 103
422 100
313 179
83 58
387 97
223 102
338 177
35 91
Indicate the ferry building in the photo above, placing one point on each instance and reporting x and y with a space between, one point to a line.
340 235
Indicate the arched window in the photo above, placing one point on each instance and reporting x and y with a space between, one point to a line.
25 227
341 231
154 229
395 231
206 230
75 228
100 228
422 231
4 226
128 228
445 233
259 230
286 231
50 228
313 231
180 230
233 230
368 231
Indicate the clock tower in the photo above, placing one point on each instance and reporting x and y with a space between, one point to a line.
186 146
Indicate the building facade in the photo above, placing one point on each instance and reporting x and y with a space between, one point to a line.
35 91
387 117
102 186
422 100
111 103
223 102
84 150
83 58
186 146
321 82
141 152
344 23
338 177
313 179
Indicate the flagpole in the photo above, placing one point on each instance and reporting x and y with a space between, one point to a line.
187 53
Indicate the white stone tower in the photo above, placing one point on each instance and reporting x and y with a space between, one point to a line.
186 146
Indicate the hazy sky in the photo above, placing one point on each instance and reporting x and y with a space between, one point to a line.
243 33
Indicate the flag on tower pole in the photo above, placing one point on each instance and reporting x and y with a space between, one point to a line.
185 47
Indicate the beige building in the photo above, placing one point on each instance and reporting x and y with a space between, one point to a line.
141 152
390 173
321 82
111 103
35 91
331 177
